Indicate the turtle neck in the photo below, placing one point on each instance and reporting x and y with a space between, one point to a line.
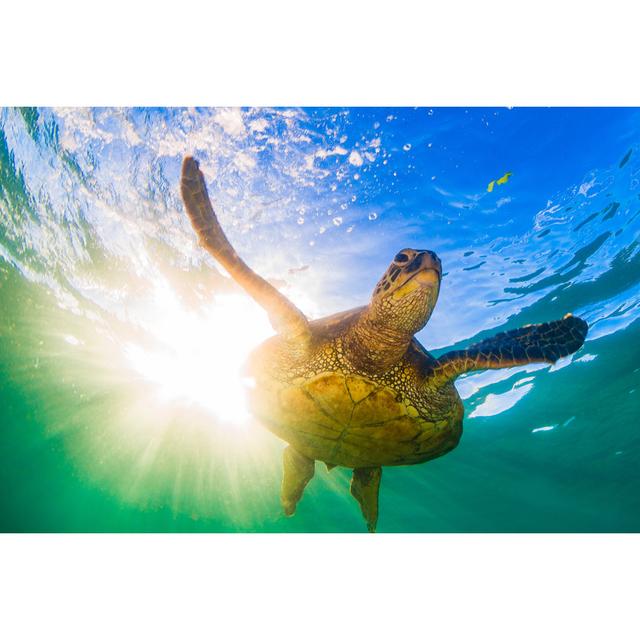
374 346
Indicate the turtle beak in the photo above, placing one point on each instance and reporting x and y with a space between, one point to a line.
426 277
426 268
430 261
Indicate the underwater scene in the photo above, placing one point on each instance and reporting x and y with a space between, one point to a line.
123 342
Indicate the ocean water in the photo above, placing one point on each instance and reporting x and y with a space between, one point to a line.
122 342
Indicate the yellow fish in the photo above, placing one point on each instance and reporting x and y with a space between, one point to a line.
502 180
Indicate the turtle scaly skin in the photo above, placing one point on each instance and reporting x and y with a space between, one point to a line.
357 389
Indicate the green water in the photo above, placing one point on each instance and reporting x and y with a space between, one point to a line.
67 465
86 445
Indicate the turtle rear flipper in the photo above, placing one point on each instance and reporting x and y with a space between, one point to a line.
297 471
546 342
285 317
365 487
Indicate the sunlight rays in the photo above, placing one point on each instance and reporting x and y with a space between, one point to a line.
197 357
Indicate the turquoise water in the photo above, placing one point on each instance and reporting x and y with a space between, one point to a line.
121 341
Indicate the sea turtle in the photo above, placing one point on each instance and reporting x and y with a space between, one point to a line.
356 389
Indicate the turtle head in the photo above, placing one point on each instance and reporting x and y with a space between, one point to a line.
406 294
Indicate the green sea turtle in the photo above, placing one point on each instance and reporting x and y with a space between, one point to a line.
357 389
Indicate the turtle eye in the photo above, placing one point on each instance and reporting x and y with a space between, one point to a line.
401 257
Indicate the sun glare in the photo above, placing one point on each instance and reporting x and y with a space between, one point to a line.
197 357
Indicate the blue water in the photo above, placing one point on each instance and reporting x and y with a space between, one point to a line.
122 341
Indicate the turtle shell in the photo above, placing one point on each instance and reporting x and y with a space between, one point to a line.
328 411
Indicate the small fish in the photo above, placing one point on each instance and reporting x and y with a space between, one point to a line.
504 178
501 180
293 270
625 159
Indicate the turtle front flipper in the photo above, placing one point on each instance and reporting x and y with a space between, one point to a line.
365 487
546 342
285 317
297 471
